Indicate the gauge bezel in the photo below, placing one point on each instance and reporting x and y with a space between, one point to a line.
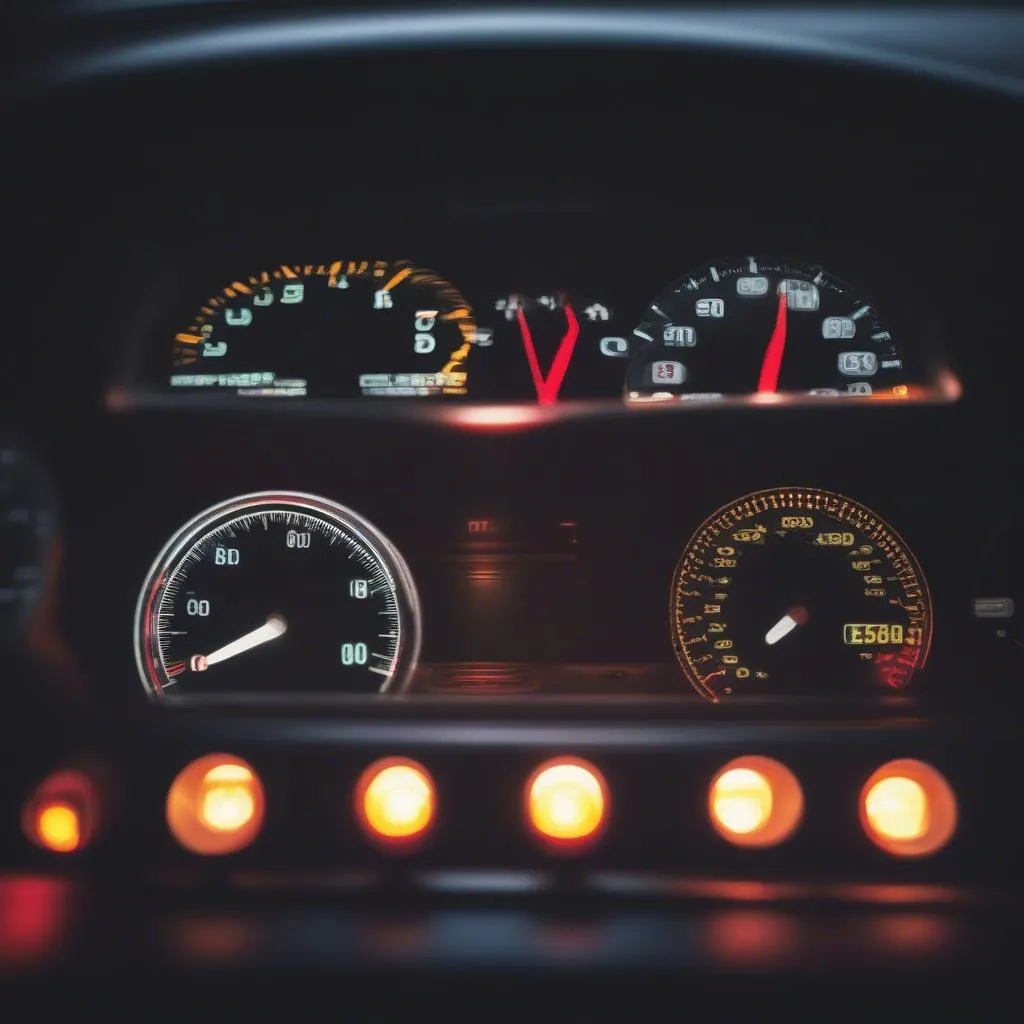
691 676
146 639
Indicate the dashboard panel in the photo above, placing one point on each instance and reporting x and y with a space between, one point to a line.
543 484
535 506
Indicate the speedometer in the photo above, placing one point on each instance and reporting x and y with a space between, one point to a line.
798 590
756 325
276 594
341 329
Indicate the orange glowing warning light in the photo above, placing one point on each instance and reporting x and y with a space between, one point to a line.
215 805
62 813
755 801
567 802
395 801
58 827
908 809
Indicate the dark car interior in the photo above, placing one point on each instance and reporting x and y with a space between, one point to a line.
497 499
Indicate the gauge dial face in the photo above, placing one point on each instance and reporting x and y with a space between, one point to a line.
737 327
343 329
278 594
798 591
29 521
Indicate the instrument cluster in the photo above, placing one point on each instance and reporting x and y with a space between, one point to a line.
341 330
534 403
784 591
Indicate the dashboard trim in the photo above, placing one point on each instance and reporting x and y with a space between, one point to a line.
931 43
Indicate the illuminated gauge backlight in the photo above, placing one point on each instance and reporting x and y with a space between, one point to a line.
340 329
763 326
798 590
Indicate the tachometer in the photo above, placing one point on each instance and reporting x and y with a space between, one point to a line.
279 594
756 325
798 590
329 330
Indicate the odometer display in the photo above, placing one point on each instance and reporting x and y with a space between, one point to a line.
278 594
798 590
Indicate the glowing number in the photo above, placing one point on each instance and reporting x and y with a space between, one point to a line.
294 539
716 627
723 645
742 673
712 609
354 654
874 633
424 324
292 293
359 588
726 552
225 556
861 566
238 317
195 607
797 522
730 659
835 540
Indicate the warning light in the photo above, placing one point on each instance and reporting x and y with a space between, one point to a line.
63 812
908 809
755 801
215 806
58 827
567 802
395 801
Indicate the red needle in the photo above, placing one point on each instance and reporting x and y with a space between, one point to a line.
772 364
531 353
547 388
563 357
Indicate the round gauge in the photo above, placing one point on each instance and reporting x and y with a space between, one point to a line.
797 590
276 594
755 325
29 521
344 329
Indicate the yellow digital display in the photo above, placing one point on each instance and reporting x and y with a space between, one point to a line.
864 634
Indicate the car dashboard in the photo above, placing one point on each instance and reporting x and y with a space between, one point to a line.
509 498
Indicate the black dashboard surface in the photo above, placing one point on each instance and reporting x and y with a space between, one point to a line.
606 171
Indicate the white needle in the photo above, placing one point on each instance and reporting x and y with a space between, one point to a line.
793 618
270 630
